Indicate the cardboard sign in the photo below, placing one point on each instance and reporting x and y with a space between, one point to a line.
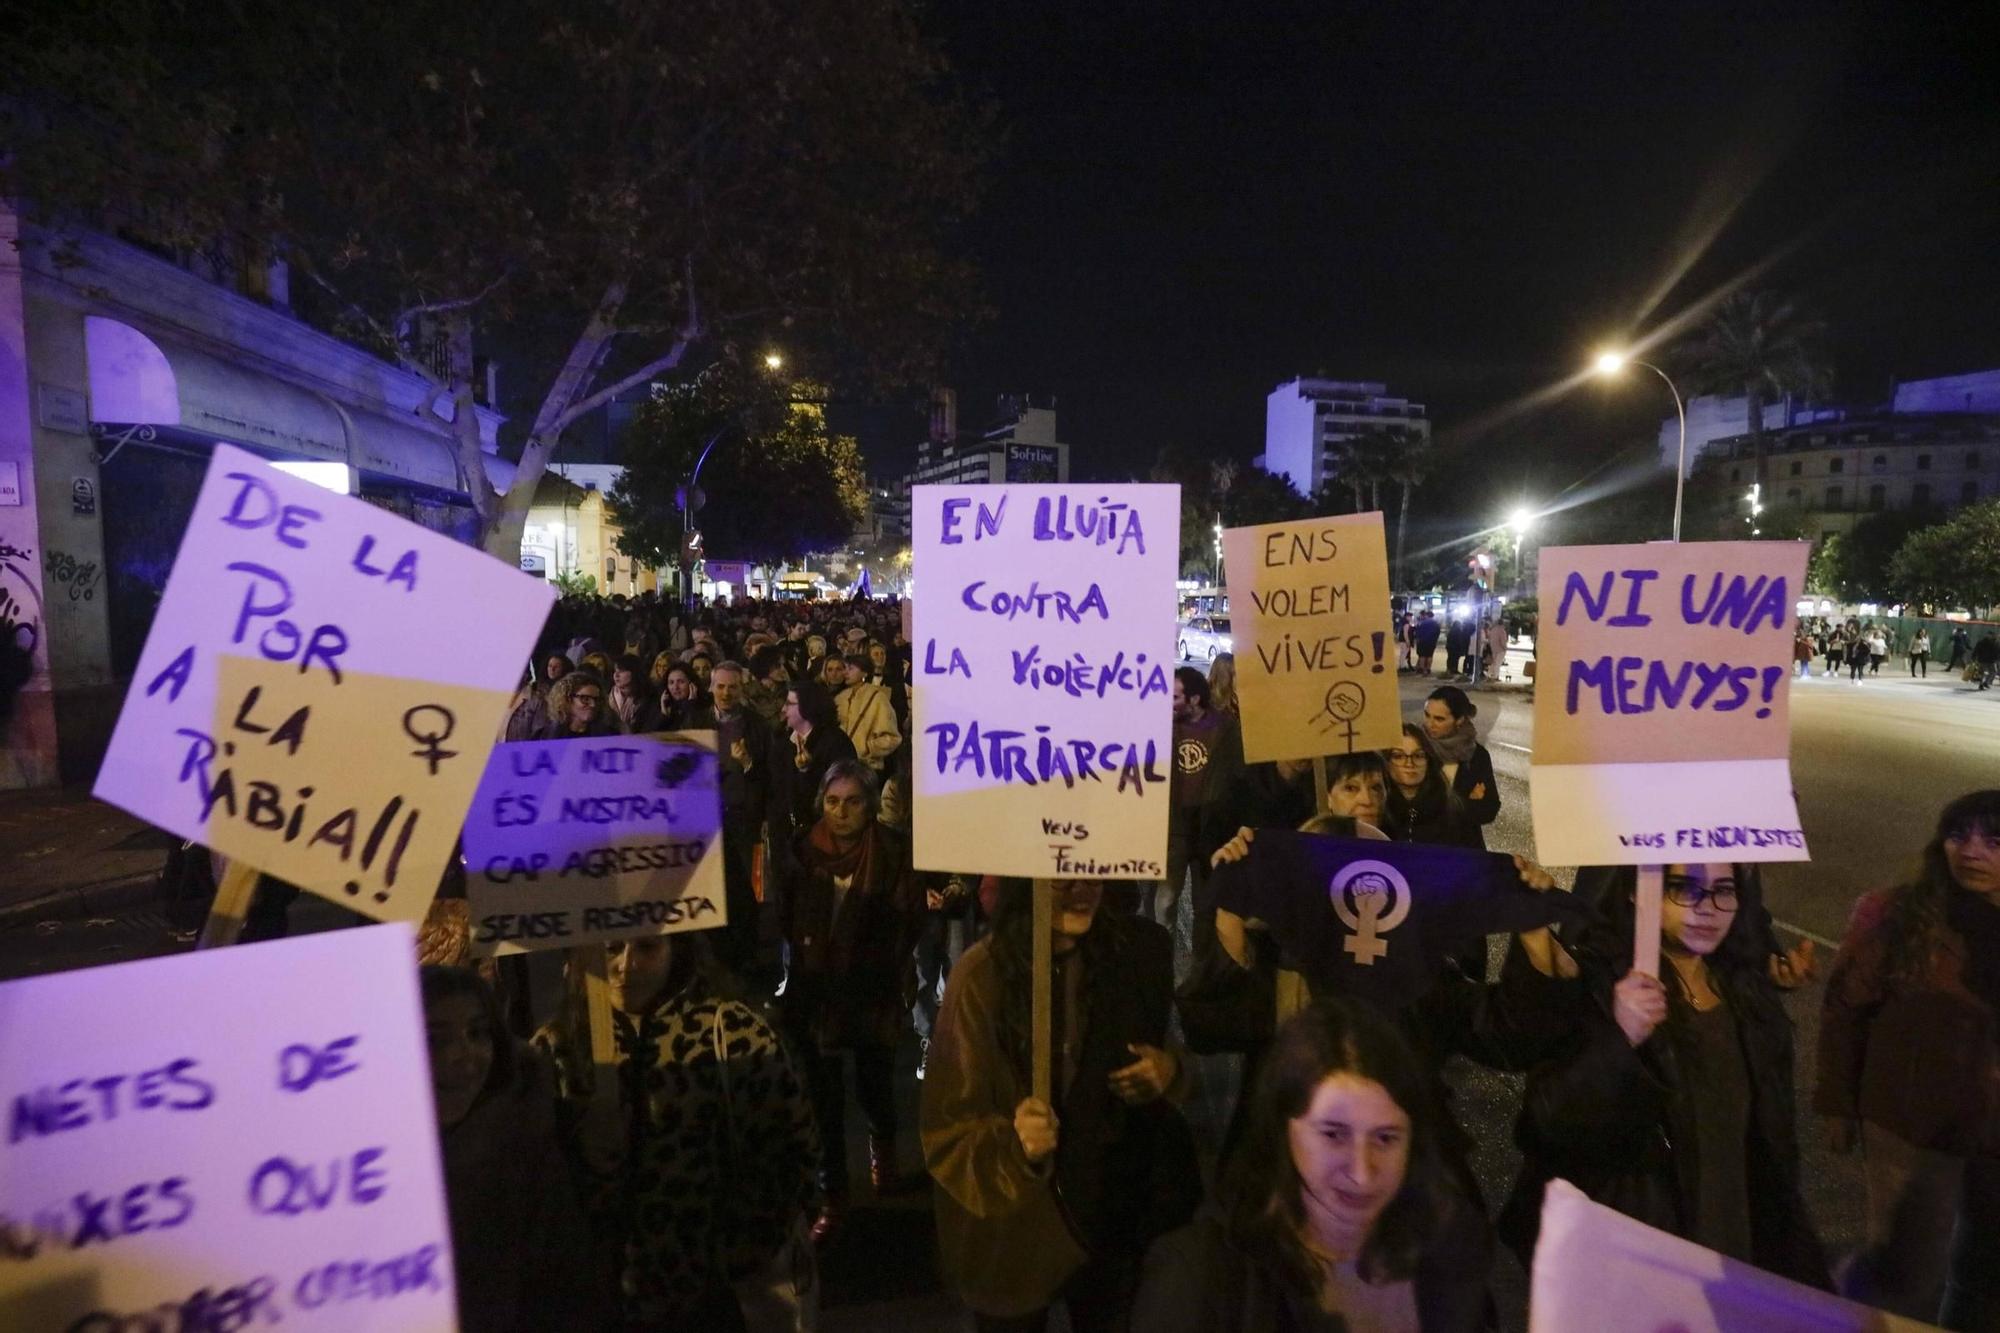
1597 1269
579 841
1043 672
1309 613
1662 704
320 688
242 1138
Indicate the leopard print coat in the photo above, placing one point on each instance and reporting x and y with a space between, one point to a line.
719 1162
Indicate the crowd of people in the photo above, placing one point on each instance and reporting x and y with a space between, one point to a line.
693 1185
1860 647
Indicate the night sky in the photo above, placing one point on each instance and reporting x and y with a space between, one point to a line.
1196 202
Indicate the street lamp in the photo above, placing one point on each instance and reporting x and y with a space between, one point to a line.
1521 521
774 361
1610 363
1218 552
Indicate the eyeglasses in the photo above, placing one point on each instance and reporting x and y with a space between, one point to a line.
1691 893
1412 757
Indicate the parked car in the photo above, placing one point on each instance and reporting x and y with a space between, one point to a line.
1202 637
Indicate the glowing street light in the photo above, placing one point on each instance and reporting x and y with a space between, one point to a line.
1611 362
774 361
1521 520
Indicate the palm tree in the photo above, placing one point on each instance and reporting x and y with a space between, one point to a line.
1362 462
1408 467
1763 346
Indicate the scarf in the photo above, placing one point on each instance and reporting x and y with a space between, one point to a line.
827 855
1459 745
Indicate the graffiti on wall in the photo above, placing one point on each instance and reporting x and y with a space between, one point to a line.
81 577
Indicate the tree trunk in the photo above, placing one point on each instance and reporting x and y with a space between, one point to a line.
500 536
1754 398
471 459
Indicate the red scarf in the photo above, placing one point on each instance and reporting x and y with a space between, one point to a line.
829 857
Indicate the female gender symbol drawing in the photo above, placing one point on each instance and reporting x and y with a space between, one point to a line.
1344 701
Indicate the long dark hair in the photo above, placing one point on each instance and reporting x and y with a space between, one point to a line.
1916 908
1434 799
1013 944
1739 967
441 983
1260 1191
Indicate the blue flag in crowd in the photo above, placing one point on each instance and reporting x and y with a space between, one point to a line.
1377 919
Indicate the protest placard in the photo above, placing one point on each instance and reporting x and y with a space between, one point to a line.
236 1139
1597 1269
579 841
1662 719
1044 659
1309 614
320 688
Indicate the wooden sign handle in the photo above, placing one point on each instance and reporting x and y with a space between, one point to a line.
597 1006
1646 920
1044 892
1319 785
231 906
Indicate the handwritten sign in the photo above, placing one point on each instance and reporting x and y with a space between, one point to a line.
176 1158
1598 1269
1309 610
320 688
1044 656
573 842
1662 704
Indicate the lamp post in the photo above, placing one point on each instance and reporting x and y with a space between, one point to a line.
1610 363
1218 553
692 499
1521 520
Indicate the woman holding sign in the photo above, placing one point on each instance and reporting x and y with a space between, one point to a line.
1448 716
1671 1098
1038 1202
1909 1070
698 1172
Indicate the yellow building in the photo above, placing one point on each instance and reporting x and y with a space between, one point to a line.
571 530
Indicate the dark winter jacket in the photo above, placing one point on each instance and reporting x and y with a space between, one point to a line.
521 1252
1620 1123
1197 1281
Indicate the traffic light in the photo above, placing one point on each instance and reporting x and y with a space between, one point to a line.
1479 569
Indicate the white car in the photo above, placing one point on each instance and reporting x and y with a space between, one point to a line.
1202 637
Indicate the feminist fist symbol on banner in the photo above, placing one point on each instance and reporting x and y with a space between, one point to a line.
1371 898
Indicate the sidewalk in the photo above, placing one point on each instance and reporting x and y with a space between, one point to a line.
63 853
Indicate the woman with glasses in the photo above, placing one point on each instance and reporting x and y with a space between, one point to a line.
1670 1098
1421 806
1909 1071
576 709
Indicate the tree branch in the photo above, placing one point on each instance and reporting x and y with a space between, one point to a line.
585 406
443 307
390 340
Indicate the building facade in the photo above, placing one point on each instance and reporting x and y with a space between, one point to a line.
1021 447
120 370
1308 421
1835 470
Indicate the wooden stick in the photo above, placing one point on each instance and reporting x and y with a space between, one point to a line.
1319 785
597 1004
1646 920
1044 981
231 906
